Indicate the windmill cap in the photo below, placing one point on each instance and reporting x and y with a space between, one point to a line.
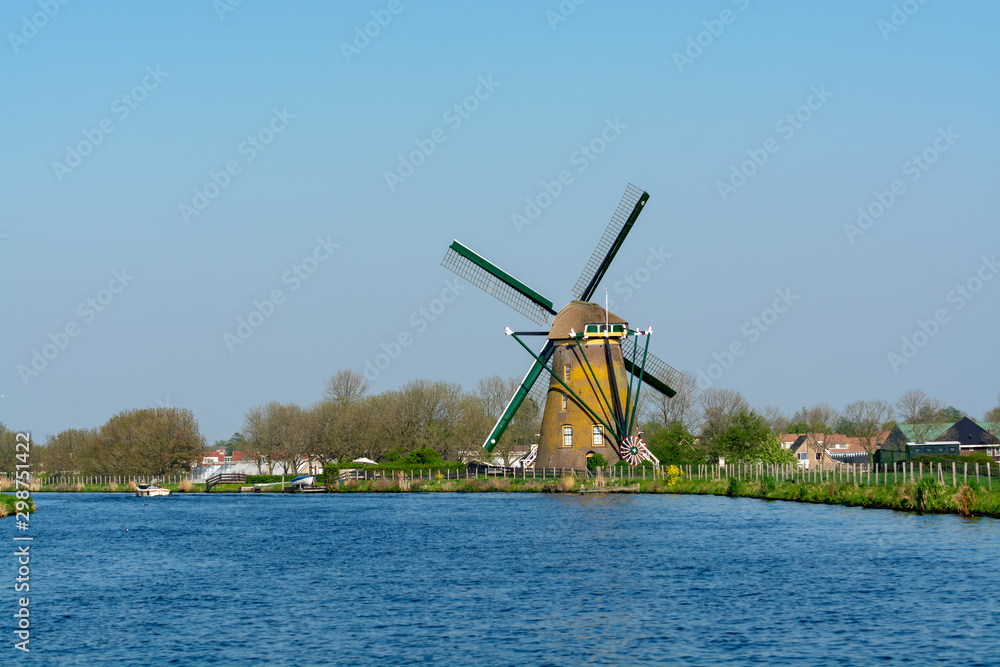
576 315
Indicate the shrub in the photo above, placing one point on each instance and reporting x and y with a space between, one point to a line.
965 499
674 474
596 462
131 487
734 488
185 486
498 484
78 486
567 483
112 486
427 456
768 484
383 484
61 487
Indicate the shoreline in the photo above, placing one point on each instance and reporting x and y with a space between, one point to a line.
923 497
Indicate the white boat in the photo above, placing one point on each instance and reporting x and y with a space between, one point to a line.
150 490
301 480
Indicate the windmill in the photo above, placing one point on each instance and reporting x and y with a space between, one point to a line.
592 356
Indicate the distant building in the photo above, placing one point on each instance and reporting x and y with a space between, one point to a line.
828 449
906 440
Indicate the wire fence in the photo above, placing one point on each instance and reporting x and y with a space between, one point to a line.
947 472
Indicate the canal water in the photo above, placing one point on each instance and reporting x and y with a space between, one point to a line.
500 579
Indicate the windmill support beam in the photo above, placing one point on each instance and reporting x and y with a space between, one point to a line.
572 393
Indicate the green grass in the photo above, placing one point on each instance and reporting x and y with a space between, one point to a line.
8 504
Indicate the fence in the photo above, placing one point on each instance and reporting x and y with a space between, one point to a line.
947 472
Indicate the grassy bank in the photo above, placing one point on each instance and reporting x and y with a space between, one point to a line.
926 495
969 496
8 504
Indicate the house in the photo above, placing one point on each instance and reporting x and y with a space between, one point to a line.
910 440
828 450
217 461
973 437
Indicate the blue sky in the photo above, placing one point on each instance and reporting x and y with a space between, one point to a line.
120 120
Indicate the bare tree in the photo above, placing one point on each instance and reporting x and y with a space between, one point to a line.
681 409
147 442
255 438
866 419
493 394
346 387
993 415
718 409
820 420
776 420
919 411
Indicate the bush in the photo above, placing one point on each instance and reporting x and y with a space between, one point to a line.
927 490
965 499
424 456
567 483
596 461
768 484
735 487
185 486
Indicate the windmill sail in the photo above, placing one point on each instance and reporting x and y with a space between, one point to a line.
517 399
497 283
657 374
625 215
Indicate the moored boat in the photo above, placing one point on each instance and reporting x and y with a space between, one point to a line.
150 490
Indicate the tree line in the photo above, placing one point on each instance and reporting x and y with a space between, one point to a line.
348 422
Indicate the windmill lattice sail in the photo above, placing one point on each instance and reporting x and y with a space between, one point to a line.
658 374
621 222
497 283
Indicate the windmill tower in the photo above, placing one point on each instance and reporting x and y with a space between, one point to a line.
591 356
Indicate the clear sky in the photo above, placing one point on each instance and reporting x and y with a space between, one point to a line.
170 167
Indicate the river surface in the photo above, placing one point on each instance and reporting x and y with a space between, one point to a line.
500 579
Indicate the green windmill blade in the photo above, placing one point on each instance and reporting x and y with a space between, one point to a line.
523 391
658 374
498 283
628 210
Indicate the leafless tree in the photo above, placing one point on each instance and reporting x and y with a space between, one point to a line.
718 408
148 442
993 415
866 419
821 421
920 411
776 419
255 438
346 387
681 409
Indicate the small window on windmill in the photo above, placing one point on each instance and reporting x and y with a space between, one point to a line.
598 435
565 401
566 372
567 436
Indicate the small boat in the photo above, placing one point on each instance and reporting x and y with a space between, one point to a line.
303 480
150 490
